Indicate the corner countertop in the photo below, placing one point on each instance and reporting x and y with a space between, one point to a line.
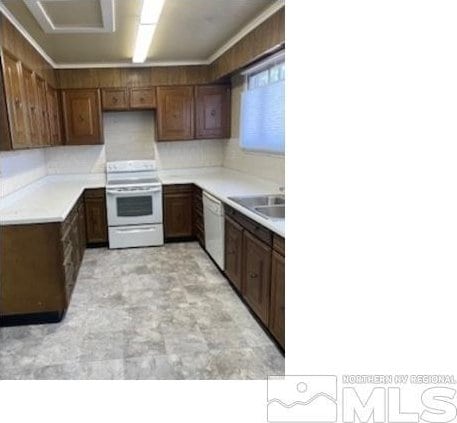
223 183
51 199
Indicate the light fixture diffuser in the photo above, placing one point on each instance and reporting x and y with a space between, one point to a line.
150 15
143 41
151 11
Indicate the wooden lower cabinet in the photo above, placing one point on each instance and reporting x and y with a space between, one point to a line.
177 212
198 221
254 264
96 219
40 264
276 322
234 252
257 276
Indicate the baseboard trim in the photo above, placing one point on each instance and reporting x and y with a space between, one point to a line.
31 319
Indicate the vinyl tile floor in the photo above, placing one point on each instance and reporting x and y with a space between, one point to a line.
147 313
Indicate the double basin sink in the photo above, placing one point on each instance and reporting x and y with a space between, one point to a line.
268 206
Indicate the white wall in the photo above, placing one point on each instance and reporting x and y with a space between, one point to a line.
131 135
267 166
20 168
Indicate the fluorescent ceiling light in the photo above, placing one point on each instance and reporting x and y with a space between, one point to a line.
143 41
151 11
150 15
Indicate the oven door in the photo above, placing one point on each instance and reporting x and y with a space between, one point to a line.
134 205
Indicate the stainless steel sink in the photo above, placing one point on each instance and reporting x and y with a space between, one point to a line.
272 212
268 206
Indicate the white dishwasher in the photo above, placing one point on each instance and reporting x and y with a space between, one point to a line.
213 211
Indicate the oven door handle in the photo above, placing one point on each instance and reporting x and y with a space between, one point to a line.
132 192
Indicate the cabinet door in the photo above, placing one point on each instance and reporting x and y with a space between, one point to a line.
143 98
31 93
5 135
175 113
212 111
82 228
43 117
257 273
96 221
54 115
115 99
82 117
234 252
276 322
177 215
16 102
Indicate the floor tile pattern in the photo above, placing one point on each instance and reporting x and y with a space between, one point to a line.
147 313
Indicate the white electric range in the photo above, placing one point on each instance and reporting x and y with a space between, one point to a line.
134 204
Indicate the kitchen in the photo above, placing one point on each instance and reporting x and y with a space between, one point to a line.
142 210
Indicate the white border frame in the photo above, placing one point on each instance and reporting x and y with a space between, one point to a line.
37 8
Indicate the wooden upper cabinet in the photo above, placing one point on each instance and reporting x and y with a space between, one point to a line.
16 102
82 116
175 113
143 98
115 99
212 118
31 95
55 129
43 118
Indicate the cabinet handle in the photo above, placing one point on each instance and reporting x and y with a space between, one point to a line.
253 275
142 99
81 118
115 100
213 113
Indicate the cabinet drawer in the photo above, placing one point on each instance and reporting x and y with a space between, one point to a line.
177 189
115 99
255 228
94 193
143 98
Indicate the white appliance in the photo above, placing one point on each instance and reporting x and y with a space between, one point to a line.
213 211
134 204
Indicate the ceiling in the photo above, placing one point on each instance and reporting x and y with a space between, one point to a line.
188 31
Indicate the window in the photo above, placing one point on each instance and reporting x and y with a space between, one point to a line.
262 107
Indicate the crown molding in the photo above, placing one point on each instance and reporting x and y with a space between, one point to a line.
279 4
130 65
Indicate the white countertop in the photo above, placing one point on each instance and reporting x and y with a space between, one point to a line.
223 183
51 199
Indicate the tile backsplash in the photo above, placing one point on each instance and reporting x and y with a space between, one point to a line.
20 168
131 135
266 166
76 159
